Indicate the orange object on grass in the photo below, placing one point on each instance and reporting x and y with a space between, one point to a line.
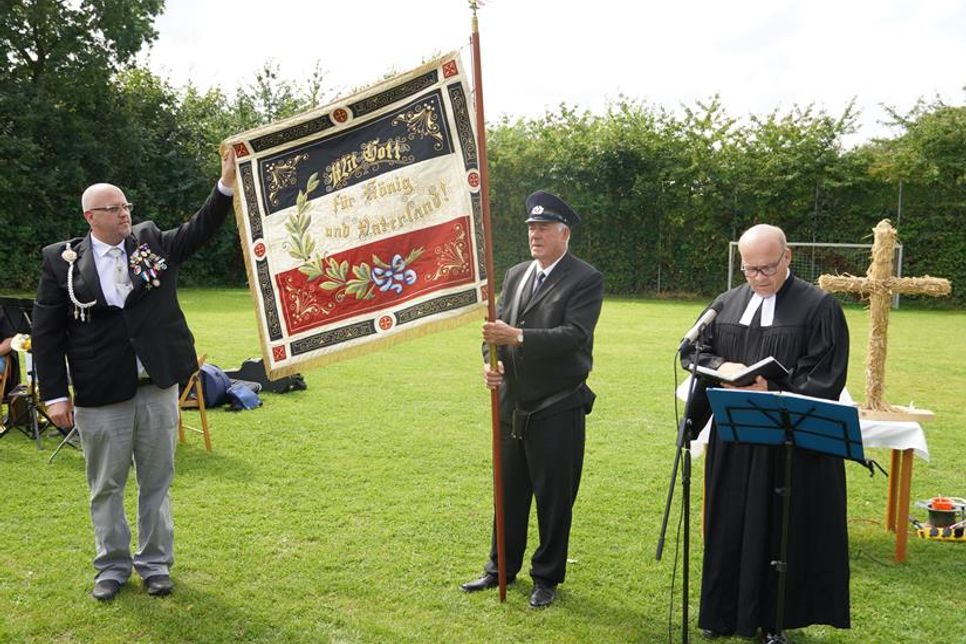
941 503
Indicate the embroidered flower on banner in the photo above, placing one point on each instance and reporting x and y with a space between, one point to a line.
364 279
148 265
393 276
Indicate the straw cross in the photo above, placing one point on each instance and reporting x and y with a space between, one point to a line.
880 285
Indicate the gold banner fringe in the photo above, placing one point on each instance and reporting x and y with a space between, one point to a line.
477 313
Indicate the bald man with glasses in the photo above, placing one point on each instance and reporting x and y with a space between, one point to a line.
108 324
773 314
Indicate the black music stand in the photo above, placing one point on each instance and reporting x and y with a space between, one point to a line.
792 420
18 312
686 431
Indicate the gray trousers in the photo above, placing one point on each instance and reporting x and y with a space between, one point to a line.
143 430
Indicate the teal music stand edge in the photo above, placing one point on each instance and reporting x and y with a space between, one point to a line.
818 425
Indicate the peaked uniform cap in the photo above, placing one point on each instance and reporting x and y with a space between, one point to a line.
544 206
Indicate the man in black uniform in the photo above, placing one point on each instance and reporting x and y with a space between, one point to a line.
803 327
545 334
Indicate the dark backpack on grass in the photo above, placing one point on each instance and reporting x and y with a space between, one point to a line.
214 385
254 371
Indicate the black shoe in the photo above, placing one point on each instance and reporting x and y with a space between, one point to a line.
159 585
542 596
709 634
487 581
105 589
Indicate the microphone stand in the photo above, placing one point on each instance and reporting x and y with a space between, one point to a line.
683 446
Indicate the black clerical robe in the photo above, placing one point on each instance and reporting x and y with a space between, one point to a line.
808 335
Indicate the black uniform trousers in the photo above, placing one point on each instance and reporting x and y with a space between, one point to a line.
545 464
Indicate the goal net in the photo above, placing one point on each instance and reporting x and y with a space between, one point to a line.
812 260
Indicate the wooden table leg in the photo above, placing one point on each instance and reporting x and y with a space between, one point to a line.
895 472
902 518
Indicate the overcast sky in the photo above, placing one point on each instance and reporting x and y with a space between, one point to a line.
759 55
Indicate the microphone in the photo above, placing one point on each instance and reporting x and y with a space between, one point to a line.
699 326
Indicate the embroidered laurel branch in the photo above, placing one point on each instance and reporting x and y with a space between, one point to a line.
300 244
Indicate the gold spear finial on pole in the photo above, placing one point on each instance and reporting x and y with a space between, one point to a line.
474 5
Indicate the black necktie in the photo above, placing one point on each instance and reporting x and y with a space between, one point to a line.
537 283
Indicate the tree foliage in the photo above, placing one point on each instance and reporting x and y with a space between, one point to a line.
925 168
661 192
62 123
74 110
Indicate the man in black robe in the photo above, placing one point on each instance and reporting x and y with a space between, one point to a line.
773 314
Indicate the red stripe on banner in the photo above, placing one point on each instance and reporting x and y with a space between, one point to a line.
376 276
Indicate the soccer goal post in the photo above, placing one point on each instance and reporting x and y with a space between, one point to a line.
811 260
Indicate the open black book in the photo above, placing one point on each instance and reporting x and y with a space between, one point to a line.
768 368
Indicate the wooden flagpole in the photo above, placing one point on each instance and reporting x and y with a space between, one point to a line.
490 302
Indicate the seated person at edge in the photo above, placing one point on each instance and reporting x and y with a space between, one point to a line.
6 354
545 338
773 314
107 309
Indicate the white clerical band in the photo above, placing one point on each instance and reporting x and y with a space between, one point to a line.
767 310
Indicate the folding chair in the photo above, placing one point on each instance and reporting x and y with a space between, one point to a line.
187 401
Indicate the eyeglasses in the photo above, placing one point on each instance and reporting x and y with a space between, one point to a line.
114 210
767 270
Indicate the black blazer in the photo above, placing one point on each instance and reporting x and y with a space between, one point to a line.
101 352
558 333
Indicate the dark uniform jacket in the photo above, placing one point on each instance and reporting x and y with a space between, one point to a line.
101 352
558 329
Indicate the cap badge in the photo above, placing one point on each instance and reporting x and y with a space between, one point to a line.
536 210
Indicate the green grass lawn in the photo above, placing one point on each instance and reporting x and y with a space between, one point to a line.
351 511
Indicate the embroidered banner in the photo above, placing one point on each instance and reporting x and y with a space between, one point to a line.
361 222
